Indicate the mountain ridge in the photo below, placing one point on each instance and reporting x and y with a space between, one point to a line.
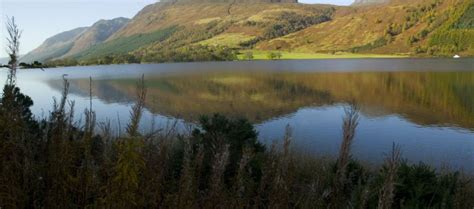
74 41
416 28
369 2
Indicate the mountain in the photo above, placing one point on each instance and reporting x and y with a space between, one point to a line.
229 1
170 26
4 60
55 46
174 27
97 33
410 27
367 2
75 41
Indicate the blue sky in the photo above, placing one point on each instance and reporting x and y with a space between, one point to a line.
40 19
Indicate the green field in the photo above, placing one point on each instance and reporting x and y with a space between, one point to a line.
263 55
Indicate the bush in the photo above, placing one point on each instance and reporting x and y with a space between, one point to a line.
290 22
274 55
248 56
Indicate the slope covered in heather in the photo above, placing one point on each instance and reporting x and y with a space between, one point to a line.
400 27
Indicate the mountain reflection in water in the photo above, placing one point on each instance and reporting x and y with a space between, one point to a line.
425 98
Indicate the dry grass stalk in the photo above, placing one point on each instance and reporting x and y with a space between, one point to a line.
13 49
216 190
88 168
187 186
241 179
280 197
338 197
137 109
387 192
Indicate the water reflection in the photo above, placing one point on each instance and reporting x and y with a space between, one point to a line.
428 111
425 98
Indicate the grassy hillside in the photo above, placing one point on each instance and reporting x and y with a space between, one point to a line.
75 41
96 34
397 28
457 34
54 47
401 27
126 44
232 25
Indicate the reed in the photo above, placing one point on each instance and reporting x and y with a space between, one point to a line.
338 196
387 193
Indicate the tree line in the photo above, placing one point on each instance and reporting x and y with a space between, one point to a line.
194 53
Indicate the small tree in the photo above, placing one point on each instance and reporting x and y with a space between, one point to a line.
248 55
274 55
278 55
16 124
271 55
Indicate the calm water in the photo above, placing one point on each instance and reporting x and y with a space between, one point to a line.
425 105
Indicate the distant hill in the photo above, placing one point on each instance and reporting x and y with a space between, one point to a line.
408 27
229 1
75 41
54 47
367 2
3 60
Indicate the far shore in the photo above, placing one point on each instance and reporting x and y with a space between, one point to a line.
263 55
284 55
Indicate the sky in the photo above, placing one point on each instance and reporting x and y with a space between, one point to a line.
41 19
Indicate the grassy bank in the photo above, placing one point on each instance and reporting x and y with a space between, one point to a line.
265 55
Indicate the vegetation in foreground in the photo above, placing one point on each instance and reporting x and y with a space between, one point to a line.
56 163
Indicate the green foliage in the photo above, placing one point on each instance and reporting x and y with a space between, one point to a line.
455 35
62 62
125 45
467 19
290 22
125 181
373 45
16 127
417 14
419 186
235 135
394 29
452 41
274 55
193 53
14 102
33 65
190 54
248 55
